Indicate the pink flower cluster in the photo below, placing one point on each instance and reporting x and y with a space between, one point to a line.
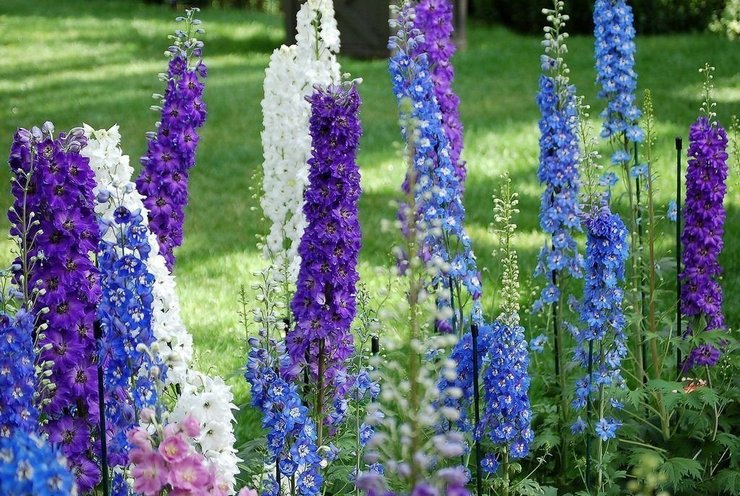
167 460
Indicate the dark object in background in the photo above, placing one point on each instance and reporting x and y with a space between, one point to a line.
363 25
181 3
651 16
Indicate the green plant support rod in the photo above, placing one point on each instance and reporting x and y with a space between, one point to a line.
642 353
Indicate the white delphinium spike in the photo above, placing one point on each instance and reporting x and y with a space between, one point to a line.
290 77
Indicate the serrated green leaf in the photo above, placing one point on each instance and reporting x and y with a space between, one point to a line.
727 481
678 469
635 397
545 439
528 487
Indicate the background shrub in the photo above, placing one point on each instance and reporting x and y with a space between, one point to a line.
651 16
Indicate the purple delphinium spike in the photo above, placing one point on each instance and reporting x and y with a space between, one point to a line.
704 214
607 250
59 197
433 19
324 303
170 155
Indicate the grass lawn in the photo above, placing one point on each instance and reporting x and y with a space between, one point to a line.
96 62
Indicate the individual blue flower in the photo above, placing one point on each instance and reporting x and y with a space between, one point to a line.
489 464
365 433
640 171
615 61
672 211
537 344
608 179
309 483
621 156
607 428
579 426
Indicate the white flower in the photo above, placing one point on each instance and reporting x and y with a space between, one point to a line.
211 402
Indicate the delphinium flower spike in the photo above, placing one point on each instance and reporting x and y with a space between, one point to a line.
324 303
438 202
171 148
59 270
125 311
292 451
559 158
507 415
286 143
704 214
601 344
559 173
615 48
615 61
408 412
434 20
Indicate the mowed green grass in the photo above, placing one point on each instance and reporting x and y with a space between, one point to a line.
97 62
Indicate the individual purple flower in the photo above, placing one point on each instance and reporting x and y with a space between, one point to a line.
58 195
704 214
434 20
170 155
324 303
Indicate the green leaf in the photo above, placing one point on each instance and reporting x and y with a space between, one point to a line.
546 439
528 487
727 481
678 469
635 397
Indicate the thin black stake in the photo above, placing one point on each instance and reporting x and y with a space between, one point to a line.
375 345
642 288
101 406
555 328
589 410
679 331
476 401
